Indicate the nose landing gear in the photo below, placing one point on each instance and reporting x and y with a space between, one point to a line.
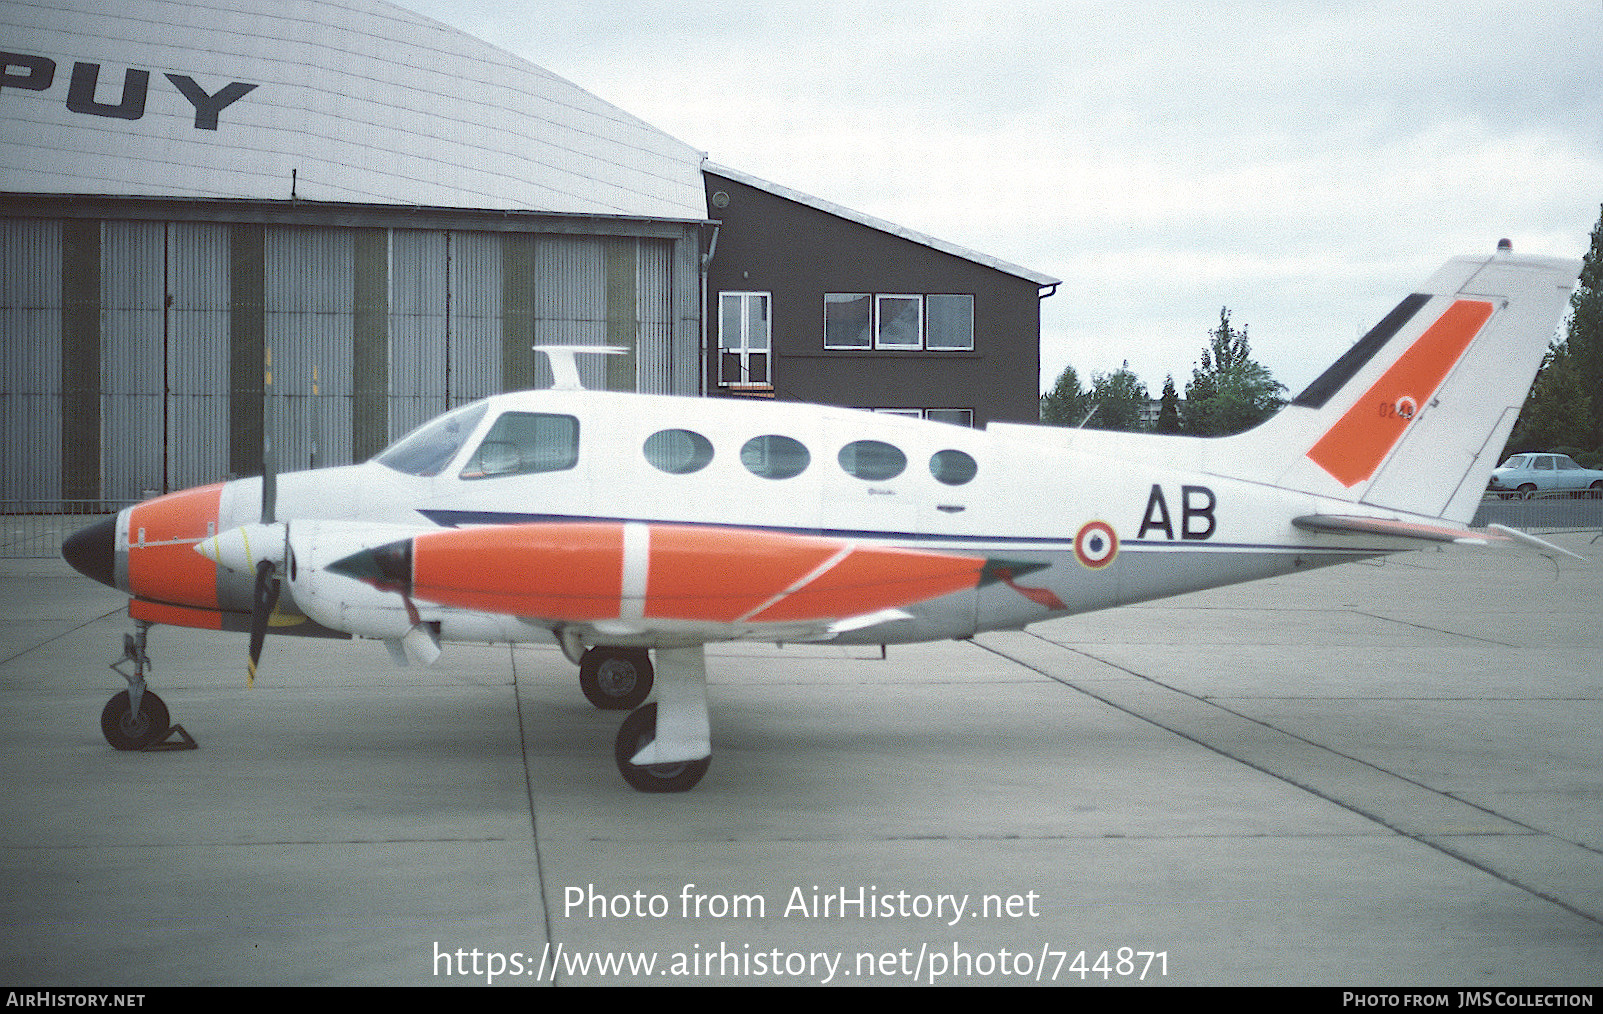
137 719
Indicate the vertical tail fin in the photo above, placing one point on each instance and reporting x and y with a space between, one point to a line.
1412 417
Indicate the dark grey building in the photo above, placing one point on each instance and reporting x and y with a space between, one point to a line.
809 301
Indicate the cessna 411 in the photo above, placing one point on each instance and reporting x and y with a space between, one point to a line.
621 526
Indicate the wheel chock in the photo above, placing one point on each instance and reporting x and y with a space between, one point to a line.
185 741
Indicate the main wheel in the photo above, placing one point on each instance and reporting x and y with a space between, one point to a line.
127 731
638 730
616 679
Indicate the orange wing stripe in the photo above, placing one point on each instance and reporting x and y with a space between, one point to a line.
872 579
719 575
577 572
560 572
1354 447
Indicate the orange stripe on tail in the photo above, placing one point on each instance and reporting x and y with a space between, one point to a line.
1355 446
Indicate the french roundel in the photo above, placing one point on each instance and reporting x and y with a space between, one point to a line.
1096 544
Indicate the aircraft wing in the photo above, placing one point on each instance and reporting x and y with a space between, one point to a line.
1342 524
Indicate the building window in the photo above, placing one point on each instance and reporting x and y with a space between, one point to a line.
898 322
949 323
955 416
745 327
848 320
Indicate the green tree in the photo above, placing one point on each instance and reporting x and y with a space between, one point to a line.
1565 406
1119 398
1558 411
1584 343
1169 410
1229 391
1066 404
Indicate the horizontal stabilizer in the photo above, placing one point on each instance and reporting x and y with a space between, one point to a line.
1341 524
1528 539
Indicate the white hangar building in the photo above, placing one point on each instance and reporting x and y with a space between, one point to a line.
187 189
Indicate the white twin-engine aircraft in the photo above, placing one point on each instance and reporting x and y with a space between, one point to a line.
614 523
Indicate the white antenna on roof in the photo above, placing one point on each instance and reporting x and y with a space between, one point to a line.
565 368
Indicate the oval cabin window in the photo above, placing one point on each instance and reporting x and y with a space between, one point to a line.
774 457
953 467
872 460
678 452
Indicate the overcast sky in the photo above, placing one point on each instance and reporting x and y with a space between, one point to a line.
1306 165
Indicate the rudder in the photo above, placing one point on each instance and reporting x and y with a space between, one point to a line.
1412 417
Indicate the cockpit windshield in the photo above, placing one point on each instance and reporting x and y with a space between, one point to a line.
430 447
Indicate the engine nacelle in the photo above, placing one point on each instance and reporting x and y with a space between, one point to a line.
337 601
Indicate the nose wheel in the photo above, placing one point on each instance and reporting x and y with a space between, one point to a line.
129 728
137 719
637 733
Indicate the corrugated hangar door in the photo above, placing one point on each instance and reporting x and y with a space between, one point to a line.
145 356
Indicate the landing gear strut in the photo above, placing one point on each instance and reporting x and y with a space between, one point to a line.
136 719
664 746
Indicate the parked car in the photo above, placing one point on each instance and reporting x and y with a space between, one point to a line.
1525 475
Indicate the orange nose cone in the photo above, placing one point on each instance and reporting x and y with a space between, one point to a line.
162 562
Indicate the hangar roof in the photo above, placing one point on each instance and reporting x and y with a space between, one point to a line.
326 100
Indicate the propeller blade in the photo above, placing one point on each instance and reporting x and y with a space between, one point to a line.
262 604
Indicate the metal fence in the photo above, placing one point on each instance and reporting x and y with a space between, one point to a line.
1553 512
34 529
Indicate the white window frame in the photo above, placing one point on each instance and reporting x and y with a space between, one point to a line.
969 412
879 316
924 413
879 321
744 347
868 342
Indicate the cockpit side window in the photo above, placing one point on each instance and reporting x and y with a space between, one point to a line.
523 443
430 447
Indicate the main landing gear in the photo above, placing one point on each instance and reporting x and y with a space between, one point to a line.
136 719
664 746
616 679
